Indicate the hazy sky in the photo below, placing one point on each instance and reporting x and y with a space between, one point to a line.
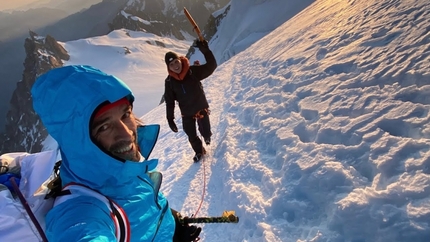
10 4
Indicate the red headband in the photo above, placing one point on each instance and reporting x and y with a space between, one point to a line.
111 105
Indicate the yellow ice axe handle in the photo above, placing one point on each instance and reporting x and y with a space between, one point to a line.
193 23
227 217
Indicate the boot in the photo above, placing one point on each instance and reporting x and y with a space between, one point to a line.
198 156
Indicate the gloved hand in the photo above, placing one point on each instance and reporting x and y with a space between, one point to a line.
183 231
172 125
202 45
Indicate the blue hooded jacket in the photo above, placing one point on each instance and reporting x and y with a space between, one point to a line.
65 99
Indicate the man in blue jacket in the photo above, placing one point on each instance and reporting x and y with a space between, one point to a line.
104 148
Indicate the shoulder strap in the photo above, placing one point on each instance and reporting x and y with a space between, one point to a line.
122 225
28 210
120 219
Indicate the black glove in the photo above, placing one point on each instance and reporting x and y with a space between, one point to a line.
183 231
172 125
202 45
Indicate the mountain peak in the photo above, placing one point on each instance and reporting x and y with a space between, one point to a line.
24 130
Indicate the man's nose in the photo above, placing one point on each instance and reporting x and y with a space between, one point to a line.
123 131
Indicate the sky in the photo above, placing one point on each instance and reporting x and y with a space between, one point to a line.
320 127
15 4
22 5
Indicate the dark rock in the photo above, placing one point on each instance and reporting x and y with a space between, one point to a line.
24 129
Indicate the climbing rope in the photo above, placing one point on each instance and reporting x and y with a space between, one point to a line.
204 186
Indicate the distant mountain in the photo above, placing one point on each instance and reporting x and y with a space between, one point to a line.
65 5
14 29
93 21
25 132
71 6
17 23
166 18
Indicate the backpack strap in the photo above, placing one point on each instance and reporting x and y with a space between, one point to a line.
28 210
122 225
120 219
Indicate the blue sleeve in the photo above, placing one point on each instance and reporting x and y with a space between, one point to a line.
80 219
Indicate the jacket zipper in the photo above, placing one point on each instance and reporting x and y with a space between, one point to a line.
155 195
161 219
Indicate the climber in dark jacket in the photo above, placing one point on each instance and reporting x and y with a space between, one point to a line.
184 85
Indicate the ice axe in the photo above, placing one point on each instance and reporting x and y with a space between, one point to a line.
193 23
227 217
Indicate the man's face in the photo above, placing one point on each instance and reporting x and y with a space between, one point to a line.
115 131
176 66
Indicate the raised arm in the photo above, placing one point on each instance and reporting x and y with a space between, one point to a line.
203 71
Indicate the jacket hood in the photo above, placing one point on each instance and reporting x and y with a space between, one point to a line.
65 99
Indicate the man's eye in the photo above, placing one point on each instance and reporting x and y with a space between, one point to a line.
126 115
102 128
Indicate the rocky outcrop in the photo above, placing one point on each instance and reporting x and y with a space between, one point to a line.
211 27
24 130
213 22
